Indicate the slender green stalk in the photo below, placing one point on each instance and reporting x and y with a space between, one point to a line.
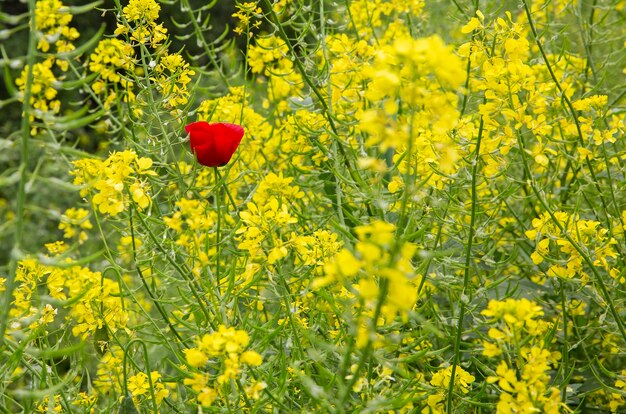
409 186
146 358
145 283
338 190
245 74
465 297
182 270
218 244
565 353
369 345
16 253
199 32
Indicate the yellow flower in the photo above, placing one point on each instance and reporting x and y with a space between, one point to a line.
43 89
463 379
195 357
142 11
207 396
173 76
74 222
139 386
251 358
254 390
52 19
113 179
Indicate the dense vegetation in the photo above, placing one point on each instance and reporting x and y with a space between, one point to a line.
426 212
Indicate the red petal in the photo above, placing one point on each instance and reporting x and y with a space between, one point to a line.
214 144
230 136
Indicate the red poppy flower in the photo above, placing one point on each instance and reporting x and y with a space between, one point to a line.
214 144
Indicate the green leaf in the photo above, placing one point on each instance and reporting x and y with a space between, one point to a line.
77 83
79 122
11 19
9 83
84 8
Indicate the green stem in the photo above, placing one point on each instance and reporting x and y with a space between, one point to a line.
336 161
183 271
200 36
218 202
367 351
16 252
144 348
466 274
409 184
145 283
245 74
221 181
565 353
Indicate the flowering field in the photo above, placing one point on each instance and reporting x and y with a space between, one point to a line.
359 206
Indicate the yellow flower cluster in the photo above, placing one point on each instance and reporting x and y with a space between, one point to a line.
227 345
377 258
230 108
92 301
48 405
57 402
142 11
421 76
441 380
347 74
372 18
28 276
74 223
270 57
114 60
520 331
503 77
262 223
516 319
42 90
244 14
521 94
109 372
567 261
141 16
194 222
276 186
173 75
262 232
595 126
110 59
617 399
316 249
52 19
526 386
114 182
140 386
301 139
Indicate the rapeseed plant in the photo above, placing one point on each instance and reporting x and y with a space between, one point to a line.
298 206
